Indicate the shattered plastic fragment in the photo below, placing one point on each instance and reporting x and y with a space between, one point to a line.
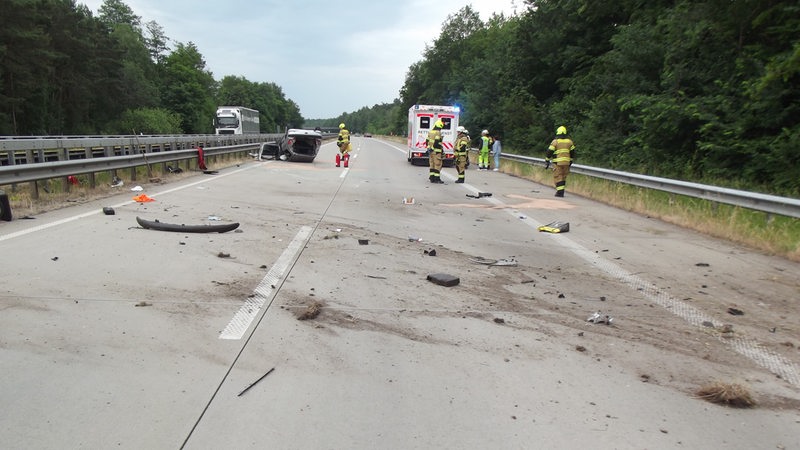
598 317
505 262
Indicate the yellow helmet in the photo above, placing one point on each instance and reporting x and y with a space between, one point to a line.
341 125
438 124
561 130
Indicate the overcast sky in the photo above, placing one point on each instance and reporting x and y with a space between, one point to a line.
330 57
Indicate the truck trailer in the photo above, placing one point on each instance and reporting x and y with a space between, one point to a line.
420 121
236 120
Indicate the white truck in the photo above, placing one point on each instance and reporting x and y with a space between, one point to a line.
236 120
420 121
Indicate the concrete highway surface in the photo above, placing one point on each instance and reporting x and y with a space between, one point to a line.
116 336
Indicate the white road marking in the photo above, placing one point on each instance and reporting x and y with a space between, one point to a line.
749 348
98 211
266 288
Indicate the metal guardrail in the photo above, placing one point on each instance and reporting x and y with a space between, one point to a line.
34 172
15 150
104 153
783 206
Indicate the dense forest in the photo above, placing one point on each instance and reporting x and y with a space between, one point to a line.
64 71
700 90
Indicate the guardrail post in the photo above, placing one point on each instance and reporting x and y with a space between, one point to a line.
5 207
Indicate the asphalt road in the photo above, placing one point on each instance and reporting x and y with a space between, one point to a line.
114 336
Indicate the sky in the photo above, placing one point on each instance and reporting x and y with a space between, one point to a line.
329 57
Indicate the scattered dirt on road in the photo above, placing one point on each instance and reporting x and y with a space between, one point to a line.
644 337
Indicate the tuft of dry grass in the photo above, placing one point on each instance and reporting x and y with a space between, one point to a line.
728 394
311 311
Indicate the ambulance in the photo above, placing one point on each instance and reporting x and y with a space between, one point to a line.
420 121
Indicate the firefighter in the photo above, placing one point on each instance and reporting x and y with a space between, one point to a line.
483 150
561 152
343 142
435 152
461 152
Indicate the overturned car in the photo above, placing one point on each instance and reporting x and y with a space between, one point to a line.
295 145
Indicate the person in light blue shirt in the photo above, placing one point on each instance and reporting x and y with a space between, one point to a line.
497 149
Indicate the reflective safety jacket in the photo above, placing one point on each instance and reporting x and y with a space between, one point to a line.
344 137
486 141
462 145
561 151
434 141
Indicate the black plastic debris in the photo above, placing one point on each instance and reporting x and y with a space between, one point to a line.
443 279
363 242
109 211
735 312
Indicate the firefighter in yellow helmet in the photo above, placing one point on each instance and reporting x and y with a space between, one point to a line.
561 152
343 142
462 153
435 152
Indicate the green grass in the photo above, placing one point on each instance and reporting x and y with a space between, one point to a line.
769 233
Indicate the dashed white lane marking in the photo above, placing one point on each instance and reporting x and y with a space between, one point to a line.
749 348
266 288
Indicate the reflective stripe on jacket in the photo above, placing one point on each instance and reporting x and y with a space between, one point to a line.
561 151
434 141
462 145
485 140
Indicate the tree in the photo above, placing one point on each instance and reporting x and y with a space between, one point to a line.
115 12
147 121
188 88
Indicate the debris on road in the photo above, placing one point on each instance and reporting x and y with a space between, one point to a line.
255 382
143 198
109 211
431 252
505 262
728 394
555 227
480 195
363 242
443 279
311 311
182 228
482 260
143 303
735 312
598 317
408 200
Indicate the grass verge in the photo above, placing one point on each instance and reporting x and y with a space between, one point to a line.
769 233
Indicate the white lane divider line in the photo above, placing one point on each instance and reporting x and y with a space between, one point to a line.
747 347
118 205
266 288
